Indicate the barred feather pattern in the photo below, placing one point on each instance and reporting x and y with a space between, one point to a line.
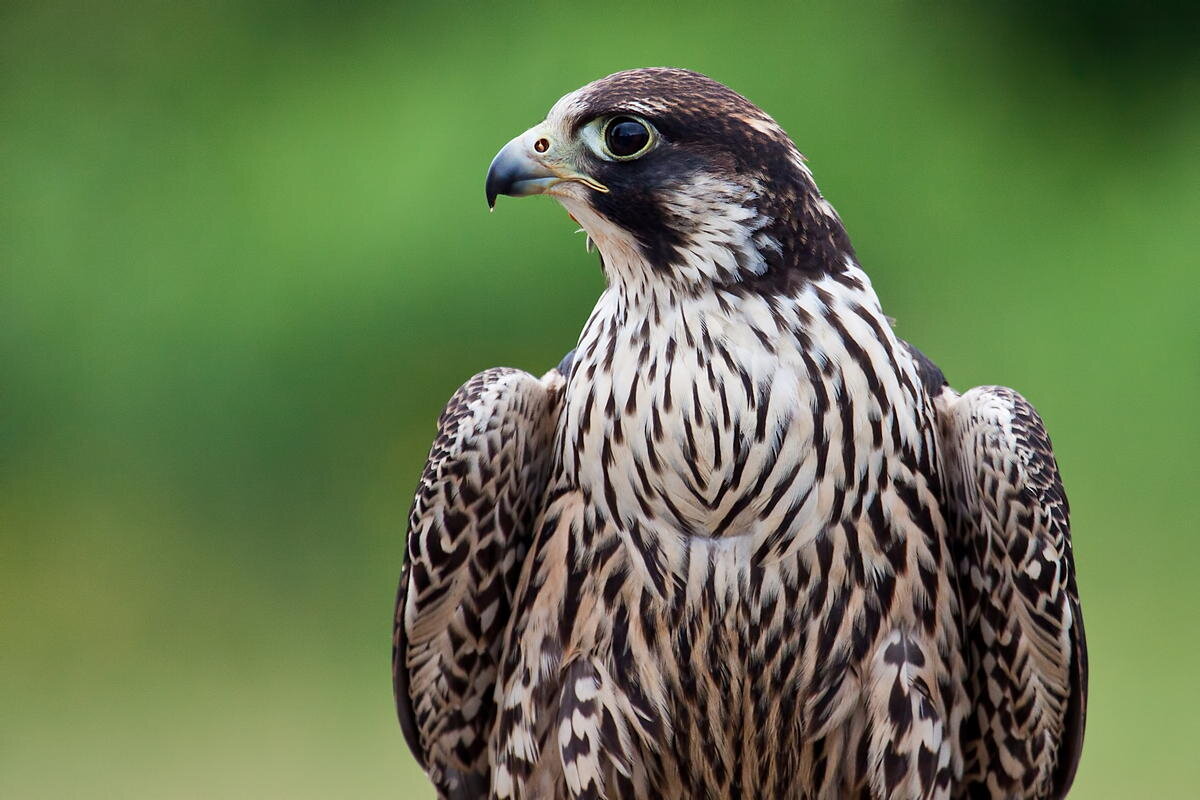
1027 656
468 533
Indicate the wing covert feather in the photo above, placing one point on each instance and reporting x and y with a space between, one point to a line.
467 537
1027 657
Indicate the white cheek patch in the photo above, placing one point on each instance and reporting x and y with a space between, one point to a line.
722 226
724 240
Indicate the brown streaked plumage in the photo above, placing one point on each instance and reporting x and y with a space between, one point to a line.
744 541
468 534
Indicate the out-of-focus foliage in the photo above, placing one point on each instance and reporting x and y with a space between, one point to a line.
245 257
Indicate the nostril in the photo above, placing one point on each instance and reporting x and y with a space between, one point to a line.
541 145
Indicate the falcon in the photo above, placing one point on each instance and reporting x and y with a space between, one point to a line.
743 541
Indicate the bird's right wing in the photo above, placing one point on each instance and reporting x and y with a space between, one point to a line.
468 534
1024 630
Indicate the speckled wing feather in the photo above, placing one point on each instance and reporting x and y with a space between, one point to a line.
1027 659
467 538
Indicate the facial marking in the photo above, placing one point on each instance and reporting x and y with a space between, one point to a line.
722 196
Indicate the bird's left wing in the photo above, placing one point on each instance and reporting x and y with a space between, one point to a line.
1027 658
468 533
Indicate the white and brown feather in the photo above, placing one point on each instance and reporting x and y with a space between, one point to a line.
764 552
1027 656
469 531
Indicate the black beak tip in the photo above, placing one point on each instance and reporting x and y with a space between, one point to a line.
499 182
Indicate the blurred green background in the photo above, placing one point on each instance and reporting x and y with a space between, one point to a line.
245 258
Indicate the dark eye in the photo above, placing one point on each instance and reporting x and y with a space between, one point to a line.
626 137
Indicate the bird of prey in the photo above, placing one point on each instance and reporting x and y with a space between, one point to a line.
743 541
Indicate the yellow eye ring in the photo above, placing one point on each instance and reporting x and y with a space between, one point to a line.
626 138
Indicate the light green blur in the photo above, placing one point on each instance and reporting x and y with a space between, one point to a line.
245 257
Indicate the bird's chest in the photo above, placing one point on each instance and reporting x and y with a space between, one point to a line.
664 421
724 435
713 419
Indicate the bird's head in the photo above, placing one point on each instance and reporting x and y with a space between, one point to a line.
676 177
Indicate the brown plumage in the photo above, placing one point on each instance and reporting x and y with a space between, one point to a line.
744 542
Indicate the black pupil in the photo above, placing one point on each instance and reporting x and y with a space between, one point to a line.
626 136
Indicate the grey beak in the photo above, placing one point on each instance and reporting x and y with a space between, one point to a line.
515 172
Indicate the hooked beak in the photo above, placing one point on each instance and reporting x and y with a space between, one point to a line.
527 165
